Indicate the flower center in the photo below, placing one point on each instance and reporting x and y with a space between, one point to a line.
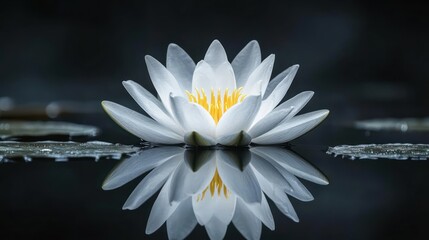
216 186
218 104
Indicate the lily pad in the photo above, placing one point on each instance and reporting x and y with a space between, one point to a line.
397 151
63 150
11 129
393 124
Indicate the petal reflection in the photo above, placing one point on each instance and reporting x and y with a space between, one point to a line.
215 187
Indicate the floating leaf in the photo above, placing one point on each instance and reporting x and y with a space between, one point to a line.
393 124
63 150
10 129
397 151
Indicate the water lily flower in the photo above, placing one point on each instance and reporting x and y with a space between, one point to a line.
216 101
215 187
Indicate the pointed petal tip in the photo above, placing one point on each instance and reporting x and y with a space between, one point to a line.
107 184
270 58
309 93
105 104
325 112
129 205
172 45
105 187
254 41
323 180
292 71
148 231
151 229
216 41
322 113
127 208
128 82
307 198
150 60
201 62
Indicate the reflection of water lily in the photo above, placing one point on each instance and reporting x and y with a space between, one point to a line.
216 102
215 187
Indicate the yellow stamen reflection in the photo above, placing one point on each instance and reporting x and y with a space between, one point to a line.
216 186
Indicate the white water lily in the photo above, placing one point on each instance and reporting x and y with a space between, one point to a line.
215 101
215 187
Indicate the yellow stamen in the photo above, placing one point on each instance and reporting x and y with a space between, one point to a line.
215 186
218 104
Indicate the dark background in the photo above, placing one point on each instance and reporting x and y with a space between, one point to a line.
363 60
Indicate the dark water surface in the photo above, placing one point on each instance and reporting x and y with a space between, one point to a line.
364 59
365 199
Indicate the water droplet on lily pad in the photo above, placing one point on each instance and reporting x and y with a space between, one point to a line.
63 150
14 129
396 151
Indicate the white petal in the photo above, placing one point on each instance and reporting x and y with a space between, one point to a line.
193 117
295 188
237 139
238 176
139 125
225 209
270 121
246 61
151 105
181 223
216 229
246 222
214 206
224 78
276 91
238 117
265 168
137 165
297 102
261 73
181 65
163 81
204 208
161 210
263 212
278 196
293 128
192 175
279 85
294 164
151 183
287 209
298 190
204 78
215 54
